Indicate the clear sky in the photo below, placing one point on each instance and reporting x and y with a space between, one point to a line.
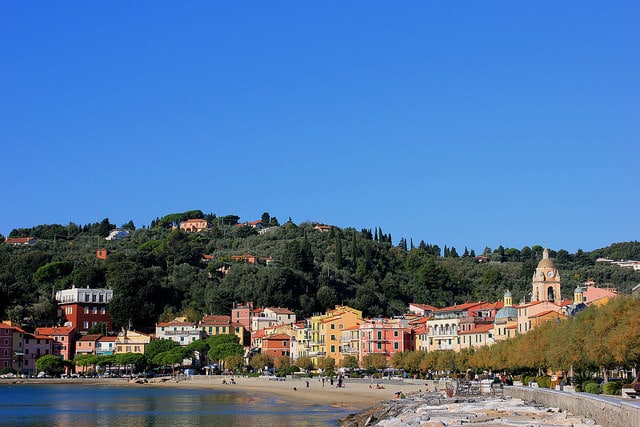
466 124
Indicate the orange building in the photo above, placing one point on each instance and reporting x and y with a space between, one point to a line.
276 345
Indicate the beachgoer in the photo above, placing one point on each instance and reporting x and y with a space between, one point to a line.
307 383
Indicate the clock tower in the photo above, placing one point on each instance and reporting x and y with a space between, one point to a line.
546 281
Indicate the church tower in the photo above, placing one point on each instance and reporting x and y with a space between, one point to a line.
546 281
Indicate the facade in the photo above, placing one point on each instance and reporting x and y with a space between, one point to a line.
194 225
221 325
326 330
35 346
6 346
64 340
131 342
106 346
87 344
20 241
445 324
242 313
385 336
84 308
546 281
276 345
180 331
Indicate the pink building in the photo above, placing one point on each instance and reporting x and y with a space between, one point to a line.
385 336
64 340
35 346
6 346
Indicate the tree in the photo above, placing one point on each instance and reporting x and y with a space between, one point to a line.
349 362
222 346
374 363
159 346
305 363
261 361
50 365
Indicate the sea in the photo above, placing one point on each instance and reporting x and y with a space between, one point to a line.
80 405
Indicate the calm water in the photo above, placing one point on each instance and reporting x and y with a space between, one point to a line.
85 405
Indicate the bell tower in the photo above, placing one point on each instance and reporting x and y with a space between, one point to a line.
546 281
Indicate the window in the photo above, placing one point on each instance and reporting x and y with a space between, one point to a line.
379 335
103 310
333 349
285 344
93 298
85 324
100 298
395 345
333 326
95 310
395 333
379 346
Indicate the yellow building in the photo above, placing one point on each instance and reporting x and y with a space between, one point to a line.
131 342
326 331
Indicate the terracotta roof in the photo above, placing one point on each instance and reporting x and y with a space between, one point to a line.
279 310
63 330
425 307
479 329
277 337
90 337
215 320
461 307
107 339
176 323
544 313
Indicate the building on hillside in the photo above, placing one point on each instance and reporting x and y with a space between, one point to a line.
20 241
84 308
180 331
385 337
546 281
117 234
194 225
102 253
129 341
64 340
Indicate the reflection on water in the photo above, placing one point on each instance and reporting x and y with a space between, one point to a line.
101 405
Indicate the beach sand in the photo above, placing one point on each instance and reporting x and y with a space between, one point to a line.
353 396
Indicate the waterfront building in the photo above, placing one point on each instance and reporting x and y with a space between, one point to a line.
179 330
64 340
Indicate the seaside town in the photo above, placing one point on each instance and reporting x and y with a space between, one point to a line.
339 334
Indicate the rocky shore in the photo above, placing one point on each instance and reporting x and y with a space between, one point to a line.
434 410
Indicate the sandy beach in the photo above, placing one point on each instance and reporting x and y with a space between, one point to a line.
354 395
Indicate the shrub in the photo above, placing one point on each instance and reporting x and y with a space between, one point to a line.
611 388
591 387
544 381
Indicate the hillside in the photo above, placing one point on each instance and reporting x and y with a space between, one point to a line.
158 272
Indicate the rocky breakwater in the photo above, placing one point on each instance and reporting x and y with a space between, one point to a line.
434 410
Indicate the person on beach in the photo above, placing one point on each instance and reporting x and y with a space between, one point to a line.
307 383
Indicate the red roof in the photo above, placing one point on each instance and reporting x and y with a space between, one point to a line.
215 320
479 329
277 337
63 330
90 337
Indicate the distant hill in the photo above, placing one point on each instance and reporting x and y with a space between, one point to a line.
160 271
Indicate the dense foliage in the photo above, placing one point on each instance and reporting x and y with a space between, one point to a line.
160 271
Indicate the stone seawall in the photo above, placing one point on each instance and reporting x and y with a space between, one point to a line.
606 411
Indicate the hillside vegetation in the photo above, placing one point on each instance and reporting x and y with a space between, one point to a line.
159 272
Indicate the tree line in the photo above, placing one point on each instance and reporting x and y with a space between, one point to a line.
160 272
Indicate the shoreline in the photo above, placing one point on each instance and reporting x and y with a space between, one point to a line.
354 396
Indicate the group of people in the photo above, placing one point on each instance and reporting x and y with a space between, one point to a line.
231 381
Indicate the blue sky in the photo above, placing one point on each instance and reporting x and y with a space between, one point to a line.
466 124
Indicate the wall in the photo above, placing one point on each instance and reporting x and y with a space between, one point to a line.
607 411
